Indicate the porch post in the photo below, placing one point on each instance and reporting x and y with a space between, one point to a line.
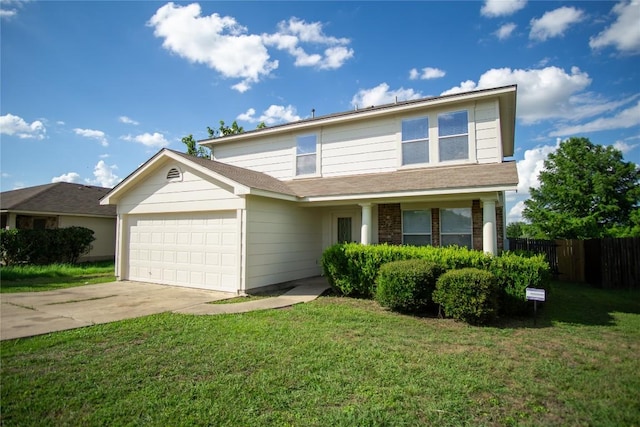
365 229
489 237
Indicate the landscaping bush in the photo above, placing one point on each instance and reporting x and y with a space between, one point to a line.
469 294
352 269
51 246
407 285
516 272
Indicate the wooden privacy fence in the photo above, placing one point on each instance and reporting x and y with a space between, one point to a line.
610 262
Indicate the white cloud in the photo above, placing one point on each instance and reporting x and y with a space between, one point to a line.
9 8
15 125
98 135
382 95
218 42
8 13
530 166
295 31
493 8
427 73
542 93
505 31
273 115
67 177
624 33
624 147
624 119
104 175
555 23
515 213
127 120
150 140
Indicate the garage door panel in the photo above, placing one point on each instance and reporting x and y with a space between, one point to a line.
194 250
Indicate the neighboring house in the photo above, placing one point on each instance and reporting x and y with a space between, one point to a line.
422 172
61 205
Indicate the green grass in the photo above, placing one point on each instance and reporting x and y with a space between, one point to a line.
338 362
27 278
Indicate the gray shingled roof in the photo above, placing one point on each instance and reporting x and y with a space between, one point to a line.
421 179
424 179
60 198
246 177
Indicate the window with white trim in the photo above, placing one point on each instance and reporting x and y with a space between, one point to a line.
453 135
416 227
415 141
456 227
306 154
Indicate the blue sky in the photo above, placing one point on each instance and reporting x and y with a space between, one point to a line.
90 90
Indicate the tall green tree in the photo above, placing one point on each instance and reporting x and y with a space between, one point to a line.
586 191
224 130
194 149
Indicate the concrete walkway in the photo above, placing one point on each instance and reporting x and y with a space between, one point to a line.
33 313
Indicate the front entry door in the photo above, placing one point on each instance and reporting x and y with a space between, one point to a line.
345 229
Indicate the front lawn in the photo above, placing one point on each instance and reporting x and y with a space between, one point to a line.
336 362
28 278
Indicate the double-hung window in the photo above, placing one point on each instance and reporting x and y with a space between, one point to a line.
416 227
455 227
306 154
415 141
453 135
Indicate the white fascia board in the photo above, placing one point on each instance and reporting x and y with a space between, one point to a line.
361 114
272 195
403 194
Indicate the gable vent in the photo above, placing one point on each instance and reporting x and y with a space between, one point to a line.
174 174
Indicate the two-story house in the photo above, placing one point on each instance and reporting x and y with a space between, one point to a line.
421 172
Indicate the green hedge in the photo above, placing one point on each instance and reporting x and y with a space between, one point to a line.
407 285
469 294
51 246
352 268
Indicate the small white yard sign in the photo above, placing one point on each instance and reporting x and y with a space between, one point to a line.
534 294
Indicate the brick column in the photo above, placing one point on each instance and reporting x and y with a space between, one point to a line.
500 227
390 223
435 227
476 218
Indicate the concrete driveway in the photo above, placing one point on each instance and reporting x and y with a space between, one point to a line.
34 313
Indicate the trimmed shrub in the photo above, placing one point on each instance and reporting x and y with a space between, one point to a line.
516 272
470 295
352 269
407 285
51 246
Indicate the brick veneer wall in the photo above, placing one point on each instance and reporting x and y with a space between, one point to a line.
500 227
476 219
435 227
390 223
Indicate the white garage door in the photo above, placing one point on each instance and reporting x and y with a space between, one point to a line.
197 250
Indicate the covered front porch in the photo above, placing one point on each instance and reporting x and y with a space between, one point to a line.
474 221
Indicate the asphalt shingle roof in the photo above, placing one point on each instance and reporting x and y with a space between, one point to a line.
470 177
59 197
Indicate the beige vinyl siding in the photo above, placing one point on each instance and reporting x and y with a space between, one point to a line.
487 133
283 242
273 156
192 194
363 147
104 229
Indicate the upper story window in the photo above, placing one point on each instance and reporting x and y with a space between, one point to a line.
416 227
306 155
453 135
415 141
456 227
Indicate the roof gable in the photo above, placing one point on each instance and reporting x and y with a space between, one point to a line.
60 198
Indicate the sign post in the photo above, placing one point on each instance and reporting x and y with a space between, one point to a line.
535 295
